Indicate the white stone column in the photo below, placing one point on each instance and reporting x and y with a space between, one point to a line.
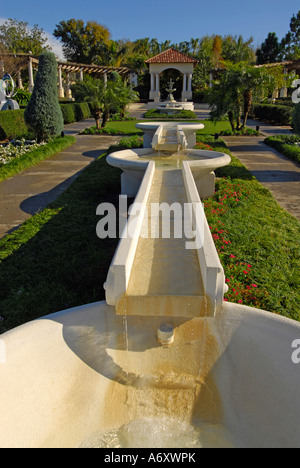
152 82
184 83
105 80
30 74
80 75
68 89
61 92
20 83
190 76
157 83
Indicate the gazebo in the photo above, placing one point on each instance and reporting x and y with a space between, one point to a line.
171 58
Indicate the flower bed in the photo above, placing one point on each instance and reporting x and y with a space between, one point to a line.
16 148
240 275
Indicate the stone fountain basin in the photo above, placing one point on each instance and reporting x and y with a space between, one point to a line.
131 162
189 128
64 376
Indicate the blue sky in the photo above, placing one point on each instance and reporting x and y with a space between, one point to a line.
175 20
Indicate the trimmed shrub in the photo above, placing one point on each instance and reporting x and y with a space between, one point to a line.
279 115
181 114
68 113
286 144
43 113
296 118
12 124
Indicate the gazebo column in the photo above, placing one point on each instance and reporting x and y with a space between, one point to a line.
61 91
30 75
155 87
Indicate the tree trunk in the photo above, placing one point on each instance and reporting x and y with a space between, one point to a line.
105 118
247 106
231 120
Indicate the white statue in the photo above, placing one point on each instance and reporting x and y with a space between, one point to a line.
7 88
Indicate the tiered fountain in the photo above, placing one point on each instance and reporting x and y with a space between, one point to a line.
164 361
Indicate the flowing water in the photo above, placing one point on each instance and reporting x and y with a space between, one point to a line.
170 398
165 160
163 433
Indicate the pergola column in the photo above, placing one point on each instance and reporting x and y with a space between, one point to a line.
20 83
30 75
68 89
61 92
105 80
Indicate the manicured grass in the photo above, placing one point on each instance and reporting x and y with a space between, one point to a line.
33 157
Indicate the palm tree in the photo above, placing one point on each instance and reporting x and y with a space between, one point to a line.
233 95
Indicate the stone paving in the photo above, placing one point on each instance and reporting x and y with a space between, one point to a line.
33 189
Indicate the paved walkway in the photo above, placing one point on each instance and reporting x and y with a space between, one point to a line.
276 172
33 189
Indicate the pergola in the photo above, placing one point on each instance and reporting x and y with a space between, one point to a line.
171 58
32 61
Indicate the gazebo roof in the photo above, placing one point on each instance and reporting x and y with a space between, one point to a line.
172 56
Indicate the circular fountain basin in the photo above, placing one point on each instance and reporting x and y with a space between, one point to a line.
134 162
77 377
189 128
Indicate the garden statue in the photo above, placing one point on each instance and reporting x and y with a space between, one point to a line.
7 87
171 90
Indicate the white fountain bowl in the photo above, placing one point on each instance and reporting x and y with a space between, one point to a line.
130 161
62 377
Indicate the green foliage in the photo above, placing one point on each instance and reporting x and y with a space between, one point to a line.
83 43
233 95
296 118
182 114
12 124
43 113
16 36
287 145
279 115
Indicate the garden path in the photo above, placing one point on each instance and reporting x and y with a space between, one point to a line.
275 171
33 189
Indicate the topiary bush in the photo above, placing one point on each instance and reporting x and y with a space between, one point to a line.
296 118
43 113
12 124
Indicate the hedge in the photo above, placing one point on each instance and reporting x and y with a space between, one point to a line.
12 123
279 115
296 118
286 144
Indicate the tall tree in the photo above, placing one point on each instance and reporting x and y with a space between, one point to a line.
233 95
270 50
236 49
18 37
291 41
83 43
